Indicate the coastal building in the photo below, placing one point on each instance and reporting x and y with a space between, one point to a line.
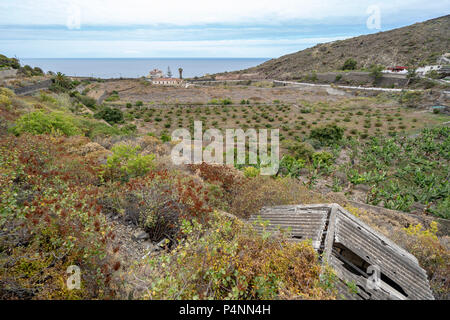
155 73
424 70
167 81
396 70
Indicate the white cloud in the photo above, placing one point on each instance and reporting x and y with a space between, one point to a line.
190 12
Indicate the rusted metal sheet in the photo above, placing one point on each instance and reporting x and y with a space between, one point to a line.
364 260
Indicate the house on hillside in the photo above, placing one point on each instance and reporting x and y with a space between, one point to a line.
155 73
396 70
167 81
424 70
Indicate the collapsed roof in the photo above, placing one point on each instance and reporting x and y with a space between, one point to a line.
380 269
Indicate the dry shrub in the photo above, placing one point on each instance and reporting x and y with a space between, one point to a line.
263 191
160 200
433 255
231 261
227 179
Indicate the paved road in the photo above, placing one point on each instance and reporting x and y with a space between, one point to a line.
340 87
306 84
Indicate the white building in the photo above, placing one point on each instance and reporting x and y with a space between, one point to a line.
155 73
424 70
167 81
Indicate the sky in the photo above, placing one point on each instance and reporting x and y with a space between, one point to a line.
195 28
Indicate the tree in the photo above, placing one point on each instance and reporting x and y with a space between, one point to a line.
180 70
412 74
169 73
349 64
110 115
375 71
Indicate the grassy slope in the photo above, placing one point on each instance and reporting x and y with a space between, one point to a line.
420 43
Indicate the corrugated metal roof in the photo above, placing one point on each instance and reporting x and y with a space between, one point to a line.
351 247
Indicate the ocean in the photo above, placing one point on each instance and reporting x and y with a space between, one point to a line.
135 68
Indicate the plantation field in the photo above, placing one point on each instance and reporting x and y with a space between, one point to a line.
294 111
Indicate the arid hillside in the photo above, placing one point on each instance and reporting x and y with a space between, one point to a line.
419 44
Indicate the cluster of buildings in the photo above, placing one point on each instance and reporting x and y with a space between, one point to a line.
157 77
442 68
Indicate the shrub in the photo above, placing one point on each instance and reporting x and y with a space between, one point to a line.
432 255
87 101
159 201
322 159
231 261
5 102
139 103
410 98
110 115
253 194
290 166
251 172
126 163
165 137
375 72
299 150
45 232
7 92
349 64
39 122
328 134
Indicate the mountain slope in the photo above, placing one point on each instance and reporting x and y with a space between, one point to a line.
418 44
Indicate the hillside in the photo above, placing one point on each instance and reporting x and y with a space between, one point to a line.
94 186
418 44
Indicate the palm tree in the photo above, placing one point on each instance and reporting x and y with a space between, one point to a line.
169 73
180 70
62 81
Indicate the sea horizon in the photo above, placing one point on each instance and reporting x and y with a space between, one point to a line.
138 67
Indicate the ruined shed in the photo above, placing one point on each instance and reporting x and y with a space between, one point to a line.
377 267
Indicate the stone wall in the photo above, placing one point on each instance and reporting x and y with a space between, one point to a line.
32 88
361 78
8 73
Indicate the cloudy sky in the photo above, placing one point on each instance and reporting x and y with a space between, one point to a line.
195 28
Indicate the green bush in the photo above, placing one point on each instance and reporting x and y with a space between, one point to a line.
289 166
349 64
5 101
328 134
110 115
126 162
165 137
39 123
10 62
251 172
321 159
375 71
87 101
299 150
